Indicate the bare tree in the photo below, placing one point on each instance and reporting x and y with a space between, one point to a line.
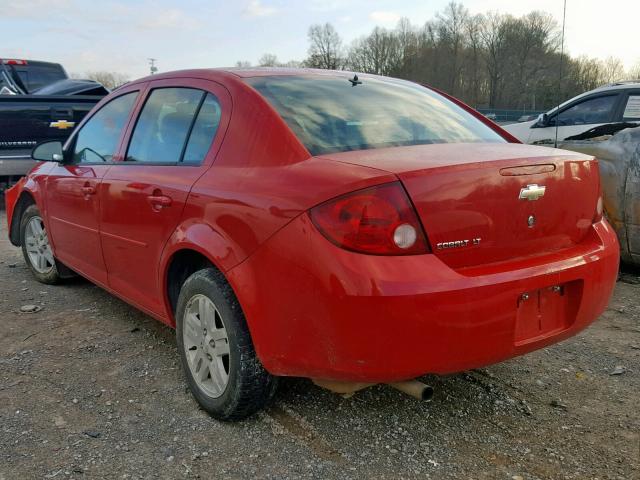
587 73
612 70
450 26
472 77
494 37
110 80
378 53
243 64
489 60
325 49
634 72
268 60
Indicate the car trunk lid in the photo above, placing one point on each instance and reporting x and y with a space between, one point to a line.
488 203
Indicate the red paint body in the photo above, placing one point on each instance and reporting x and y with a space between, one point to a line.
313 308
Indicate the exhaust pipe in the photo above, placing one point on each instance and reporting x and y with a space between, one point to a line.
415 388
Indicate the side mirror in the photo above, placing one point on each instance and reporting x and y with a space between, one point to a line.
48 152
543 121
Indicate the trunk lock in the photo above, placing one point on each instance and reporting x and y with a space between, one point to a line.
531 221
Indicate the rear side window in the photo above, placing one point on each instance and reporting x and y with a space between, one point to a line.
204 130
328 114
632 108
98 139
175 124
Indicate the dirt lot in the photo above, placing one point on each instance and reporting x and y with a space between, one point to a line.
90 388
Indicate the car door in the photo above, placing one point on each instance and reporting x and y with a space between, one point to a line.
72 187
170 146
578 117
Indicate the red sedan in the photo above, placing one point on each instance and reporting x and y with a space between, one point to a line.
316 224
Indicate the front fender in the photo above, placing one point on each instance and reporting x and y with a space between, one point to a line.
17 198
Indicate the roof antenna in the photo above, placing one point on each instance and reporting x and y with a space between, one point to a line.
564 16
354 81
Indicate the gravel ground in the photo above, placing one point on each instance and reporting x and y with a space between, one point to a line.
91 388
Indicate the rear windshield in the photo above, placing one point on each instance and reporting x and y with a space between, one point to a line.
328 114
37 76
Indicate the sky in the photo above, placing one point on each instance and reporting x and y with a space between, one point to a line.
120 35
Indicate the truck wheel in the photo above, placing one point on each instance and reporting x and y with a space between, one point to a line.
217 354
36 248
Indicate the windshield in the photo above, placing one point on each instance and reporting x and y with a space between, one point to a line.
328 114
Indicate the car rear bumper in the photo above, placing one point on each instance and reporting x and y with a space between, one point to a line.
315 310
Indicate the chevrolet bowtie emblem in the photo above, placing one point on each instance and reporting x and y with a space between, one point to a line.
62 124
532 192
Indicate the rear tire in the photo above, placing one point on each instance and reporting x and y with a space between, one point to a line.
36 248
218 358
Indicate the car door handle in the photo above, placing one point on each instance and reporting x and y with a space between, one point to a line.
88 189
159 201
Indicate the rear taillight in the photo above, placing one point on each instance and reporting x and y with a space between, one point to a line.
379 220
14 62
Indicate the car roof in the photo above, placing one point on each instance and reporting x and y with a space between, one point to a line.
283 71
620 85
610 87
239 73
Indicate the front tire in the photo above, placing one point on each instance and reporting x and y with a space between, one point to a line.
36 248
218 358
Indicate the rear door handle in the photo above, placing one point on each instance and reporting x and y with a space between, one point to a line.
159 201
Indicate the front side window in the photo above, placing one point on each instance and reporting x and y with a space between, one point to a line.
591 111
98 140
328 114
176 124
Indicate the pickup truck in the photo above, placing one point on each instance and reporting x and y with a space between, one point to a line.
38 102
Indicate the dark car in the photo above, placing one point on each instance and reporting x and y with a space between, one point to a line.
38 102
32 74
615 103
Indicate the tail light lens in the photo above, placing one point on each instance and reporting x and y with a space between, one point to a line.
379 220
14 62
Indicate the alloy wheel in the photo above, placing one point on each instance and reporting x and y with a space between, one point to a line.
37 246
206 345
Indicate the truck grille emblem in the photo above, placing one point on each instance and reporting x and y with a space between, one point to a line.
62 124
532 192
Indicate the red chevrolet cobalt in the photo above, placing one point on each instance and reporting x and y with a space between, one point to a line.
316 224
